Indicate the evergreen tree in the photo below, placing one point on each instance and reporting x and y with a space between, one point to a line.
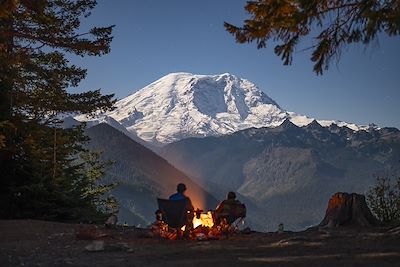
40 174
336 24
92 185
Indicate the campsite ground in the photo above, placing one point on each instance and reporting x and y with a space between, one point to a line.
39 243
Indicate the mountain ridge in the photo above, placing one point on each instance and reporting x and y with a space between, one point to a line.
182 105
289 171
141 174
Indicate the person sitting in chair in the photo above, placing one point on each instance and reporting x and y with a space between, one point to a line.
229 209
180 195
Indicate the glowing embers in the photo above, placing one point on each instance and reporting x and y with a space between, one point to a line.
201 228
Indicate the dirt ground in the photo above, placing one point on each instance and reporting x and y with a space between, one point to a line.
40 243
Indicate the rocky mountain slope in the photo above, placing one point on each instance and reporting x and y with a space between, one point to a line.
288 171
142 176
182 105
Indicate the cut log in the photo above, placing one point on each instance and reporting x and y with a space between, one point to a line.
348 209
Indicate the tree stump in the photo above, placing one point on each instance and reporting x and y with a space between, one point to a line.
348 209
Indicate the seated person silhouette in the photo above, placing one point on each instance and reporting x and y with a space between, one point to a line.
229 209
180 195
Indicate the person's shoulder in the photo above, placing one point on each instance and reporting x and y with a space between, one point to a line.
232 202
173 196
178 196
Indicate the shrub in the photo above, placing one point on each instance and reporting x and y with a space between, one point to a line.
384 199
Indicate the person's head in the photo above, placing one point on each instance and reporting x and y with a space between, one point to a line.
231 195
181 188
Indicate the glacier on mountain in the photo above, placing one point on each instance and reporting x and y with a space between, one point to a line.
182 105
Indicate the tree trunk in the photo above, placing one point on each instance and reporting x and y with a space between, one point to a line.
348 209
6 66
54 154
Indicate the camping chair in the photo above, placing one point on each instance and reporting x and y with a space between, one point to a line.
174 212
236 211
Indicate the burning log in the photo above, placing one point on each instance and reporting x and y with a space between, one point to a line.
203 228
161 229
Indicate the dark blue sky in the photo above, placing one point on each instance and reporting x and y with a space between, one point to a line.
153 38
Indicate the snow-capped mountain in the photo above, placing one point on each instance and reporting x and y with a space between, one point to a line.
182 105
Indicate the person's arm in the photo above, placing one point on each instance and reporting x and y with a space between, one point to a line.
219 207
189 205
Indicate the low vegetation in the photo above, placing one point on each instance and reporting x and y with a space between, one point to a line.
384 199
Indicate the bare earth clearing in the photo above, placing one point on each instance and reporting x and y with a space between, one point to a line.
40 243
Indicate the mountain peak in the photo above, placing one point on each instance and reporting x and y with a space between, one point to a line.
314 125
176 75
181 105
287 124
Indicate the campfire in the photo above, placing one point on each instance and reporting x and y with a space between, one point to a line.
203 228
204 219
175 221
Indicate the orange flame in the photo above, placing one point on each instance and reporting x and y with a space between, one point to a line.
202 219
205 219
